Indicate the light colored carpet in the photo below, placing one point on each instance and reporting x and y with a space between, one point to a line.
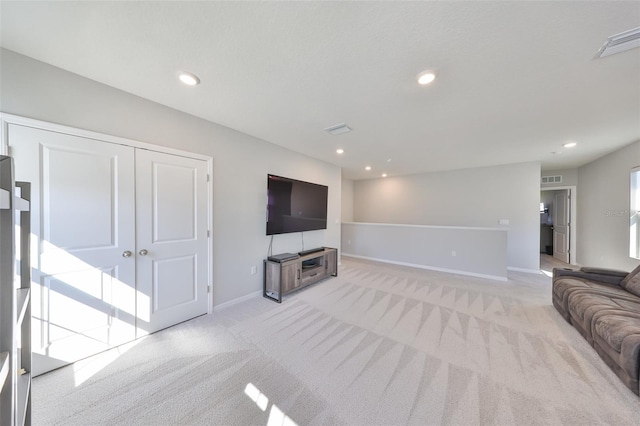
379 344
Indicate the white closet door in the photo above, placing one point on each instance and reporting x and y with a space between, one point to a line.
83 290
171 239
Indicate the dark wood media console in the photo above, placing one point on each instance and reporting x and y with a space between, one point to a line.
281 278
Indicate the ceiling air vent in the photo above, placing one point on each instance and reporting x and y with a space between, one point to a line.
552 179
338 129
620 42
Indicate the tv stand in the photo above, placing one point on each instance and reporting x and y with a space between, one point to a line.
282 278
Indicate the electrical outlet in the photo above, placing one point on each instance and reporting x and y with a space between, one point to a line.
254 270
453 253
503 221
349 242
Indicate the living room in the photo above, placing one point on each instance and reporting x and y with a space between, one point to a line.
58 73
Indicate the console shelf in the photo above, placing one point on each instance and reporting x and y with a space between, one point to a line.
15 300
282 278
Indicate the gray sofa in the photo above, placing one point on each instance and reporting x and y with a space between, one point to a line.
604 306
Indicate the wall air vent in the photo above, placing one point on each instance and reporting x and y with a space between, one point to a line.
338 129
620 42
552 179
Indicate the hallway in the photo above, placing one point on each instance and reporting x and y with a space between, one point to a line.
548 262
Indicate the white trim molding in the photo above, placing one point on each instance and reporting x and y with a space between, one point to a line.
528 271
403 225
237 300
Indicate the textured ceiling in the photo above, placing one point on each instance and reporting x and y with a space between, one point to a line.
516 80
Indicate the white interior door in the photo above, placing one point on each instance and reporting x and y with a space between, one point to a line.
171 239
83 289
561 225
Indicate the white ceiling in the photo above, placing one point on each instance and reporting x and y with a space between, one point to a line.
516 80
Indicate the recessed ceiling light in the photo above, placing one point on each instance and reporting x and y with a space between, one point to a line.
189 79
367 168
340 151
426 77
384 175
569 144
389 160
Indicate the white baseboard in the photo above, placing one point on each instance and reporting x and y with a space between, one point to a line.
237 300
528 271
431 268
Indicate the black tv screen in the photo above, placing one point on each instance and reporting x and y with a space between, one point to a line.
295 206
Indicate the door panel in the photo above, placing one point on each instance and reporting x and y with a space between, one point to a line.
174 194
171 212
82 221
61 170
166 273
561 228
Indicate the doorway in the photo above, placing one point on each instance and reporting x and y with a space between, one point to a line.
557 225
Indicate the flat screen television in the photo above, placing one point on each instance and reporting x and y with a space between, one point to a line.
295 206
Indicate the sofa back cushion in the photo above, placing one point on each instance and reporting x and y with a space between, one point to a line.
631 282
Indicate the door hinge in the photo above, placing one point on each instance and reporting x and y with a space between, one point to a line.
208 289
208 233
208 177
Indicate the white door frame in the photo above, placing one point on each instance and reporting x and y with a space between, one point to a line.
573 248
7 119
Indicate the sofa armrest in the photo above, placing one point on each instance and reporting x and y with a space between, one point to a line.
604 271
605 278
564 272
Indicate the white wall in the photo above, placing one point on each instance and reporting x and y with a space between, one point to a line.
347 200
480 252
470 197
603 209
241 163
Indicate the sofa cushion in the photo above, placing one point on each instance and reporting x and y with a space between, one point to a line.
562 287
613 329
581 302
631 282
632 306
584 306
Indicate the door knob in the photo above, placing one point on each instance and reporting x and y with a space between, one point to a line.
126 253
143 252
